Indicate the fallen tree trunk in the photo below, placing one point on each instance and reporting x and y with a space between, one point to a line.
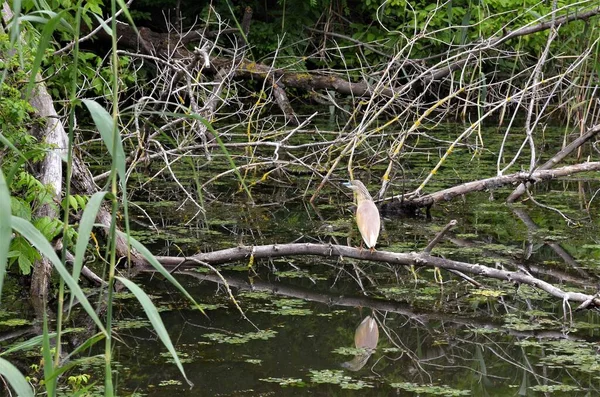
248 253
50 174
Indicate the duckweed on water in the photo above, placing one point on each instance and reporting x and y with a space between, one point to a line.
171 382
299 274
520 324
337 377
286 307
489 293
132 324
285 381
331 313
255 295
240 338
183 357
554 388
431 389
349 351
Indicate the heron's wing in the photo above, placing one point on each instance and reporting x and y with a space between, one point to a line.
367 218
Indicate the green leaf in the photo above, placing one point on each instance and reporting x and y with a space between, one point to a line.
49 227
156 321
12 147
42 44
85 230
73 203
48 363
20 208
27 230
80 201
27 345
158 266
15 378
83 361
106 127
5 228
25 265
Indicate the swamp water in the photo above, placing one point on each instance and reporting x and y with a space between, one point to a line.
438 337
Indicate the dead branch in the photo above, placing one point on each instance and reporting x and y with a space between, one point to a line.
243 253
557 158
397 202
439 236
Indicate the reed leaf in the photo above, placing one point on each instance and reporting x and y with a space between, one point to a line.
83 233
37 239
15 379
155 320
42 44
5 228
104 122
158 266
49 382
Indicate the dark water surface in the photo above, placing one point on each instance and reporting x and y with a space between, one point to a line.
438 334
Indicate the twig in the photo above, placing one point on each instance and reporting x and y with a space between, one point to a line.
439 236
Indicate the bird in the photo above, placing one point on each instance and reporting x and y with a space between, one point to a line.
365 339
367 214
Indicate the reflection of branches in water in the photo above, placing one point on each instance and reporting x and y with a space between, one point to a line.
429 341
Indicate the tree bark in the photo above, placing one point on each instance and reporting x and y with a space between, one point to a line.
244 253
50 174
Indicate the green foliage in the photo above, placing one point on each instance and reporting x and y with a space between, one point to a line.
32 193
90 9
77 382
94 75
27 193
15 112
461 21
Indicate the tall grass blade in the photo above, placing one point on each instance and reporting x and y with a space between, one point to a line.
83 361
37 239
43 43
5 228
125 9
91 341
15 379
85 230
19 161
158 266
48 363
29 343
14 28
104 122
156 321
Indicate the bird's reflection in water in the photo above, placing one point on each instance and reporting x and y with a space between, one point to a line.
365 338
